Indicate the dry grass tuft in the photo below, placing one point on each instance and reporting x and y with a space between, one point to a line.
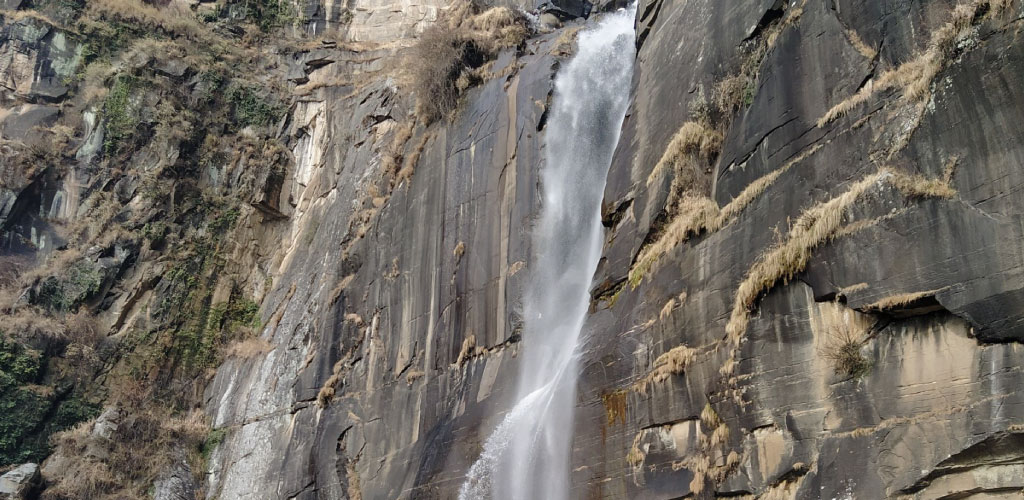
249 348
696 140
340 287
147 441
737 91
448 52
355 319
410 162
413 376
173 18
326 394
846 290
673 362
515 268
666 310
903 299
814 227
858 43
914 77
697 214
694 215
842 350
636 457
467 351
566 42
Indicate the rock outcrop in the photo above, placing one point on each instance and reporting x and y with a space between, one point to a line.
19 482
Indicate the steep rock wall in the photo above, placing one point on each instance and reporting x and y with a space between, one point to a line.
751 397
394 336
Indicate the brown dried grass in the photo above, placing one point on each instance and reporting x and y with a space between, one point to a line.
914 77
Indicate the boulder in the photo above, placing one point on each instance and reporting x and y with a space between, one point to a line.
19 482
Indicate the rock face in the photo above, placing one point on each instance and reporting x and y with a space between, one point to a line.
17 483
418 315
929 283
812 282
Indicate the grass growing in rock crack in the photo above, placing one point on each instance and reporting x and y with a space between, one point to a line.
914 77
843 351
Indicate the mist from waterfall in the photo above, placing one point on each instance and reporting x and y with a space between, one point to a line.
527 456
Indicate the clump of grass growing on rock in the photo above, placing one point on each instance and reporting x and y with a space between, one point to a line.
270 14
326 394
915 77
252 107
816 226
688 156
673 362
695 214
147 440
174 18
737 91
843 351
462 40
902 299
467 351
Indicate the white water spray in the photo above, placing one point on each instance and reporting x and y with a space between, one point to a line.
527 456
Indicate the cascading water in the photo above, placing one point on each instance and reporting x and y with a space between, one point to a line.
527 456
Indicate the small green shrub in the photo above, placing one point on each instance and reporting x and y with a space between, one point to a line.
121 118
224 221
270 14
210 82
27 417
17 363
155 232
251 108
212 441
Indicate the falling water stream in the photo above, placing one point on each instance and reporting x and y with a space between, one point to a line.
527 456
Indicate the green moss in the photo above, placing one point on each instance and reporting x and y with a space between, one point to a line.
212 441
64 293
122 119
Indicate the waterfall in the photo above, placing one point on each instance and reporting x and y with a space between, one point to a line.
527 456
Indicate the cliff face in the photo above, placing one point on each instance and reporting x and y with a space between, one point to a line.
844 319
811 282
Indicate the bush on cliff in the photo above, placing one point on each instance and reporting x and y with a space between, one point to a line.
451 55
